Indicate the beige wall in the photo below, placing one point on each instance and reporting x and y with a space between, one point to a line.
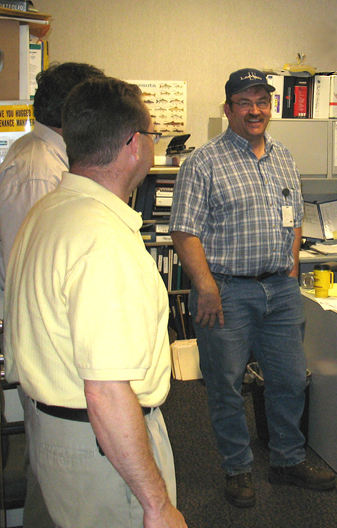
198 41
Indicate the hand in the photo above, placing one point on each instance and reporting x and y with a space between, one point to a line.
210 309
293 272
168 517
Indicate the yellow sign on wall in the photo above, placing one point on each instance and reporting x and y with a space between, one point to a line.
16 118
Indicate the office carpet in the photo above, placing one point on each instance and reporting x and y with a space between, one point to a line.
201 480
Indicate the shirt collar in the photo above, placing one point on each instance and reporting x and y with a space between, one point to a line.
243 144
92 189
52 138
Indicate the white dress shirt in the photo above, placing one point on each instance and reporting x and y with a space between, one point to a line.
33 167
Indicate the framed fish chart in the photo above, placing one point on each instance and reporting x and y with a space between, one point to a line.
166 101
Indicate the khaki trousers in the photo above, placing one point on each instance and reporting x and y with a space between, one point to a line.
79 485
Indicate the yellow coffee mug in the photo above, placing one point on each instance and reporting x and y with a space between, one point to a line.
323 280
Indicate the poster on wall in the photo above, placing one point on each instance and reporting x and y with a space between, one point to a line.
166 101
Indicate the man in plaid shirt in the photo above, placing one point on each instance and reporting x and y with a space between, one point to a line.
236 225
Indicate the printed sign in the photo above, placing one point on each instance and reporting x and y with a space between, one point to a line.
16 118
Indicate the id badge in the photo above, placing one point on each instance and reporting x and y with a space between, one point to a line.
287 216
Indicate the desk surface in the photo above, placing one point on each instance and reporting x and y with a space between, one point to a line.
307 258
328 303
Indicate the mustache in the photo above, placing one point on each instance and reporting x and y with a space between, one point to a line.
257 118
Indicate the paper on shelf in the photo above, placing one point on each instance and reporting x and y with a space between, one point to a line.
331 249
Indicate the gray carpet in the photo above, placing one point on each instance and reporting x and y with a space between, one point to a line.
200 478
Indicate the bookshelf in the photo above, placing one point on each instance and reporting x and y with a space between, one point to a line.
154 231
169 266
18 30
154 197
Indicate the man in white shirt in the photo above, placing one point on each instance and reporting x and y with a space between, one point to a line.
32 168
35 162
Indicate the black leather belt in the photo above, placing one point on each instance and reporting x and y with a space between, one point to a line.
67 413
261 277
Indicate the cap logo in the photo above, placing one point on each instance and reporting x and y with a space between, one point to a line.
251 76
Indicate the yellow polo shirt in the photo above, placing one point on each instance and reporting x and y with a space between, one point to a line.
84 299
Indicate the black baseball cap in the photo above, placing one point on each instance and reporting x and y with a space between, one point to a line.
242 79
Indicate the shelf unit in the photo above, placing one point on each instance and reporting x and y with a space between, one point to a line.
173 294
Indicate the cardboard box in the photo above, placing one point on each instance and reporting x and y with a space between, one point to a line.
10 60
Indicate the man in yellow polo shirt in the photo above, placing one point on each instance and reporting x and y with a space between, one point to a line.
86 326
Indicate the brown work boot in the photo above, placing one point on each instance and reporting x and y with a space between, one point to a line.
303 475
240 490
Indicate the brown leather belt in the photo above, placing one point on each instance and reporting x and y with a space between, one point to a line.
67 413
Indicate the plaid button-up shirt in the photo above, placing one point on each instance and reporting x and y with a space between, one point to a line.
233 202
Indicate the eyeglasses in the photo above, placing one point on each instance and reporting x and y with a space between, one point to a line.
155 136
247 105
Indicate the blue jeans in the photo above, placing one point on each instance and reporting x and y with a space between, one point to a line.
267 319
